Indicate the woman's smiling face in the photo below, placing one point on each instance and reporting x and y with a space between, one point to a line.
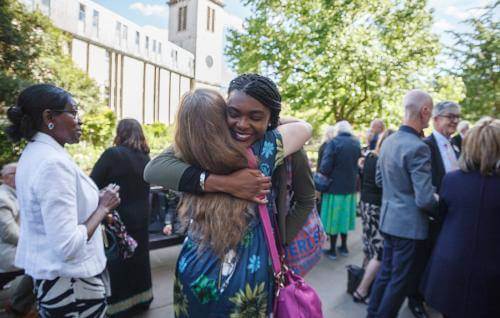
247 118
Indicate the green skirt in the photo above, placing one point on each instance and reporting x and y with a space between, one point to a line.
338 212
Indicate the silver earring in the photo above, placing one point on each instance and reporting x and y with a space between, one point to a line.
50 126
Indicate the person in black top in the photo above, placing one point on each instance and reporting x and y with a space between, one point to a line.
370 202
124 165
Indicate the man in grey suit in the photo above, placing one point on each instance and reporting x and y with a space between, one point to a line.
404 172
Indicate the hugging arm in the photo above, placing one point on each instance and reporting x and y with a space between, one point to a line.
295 135
172 173
168 171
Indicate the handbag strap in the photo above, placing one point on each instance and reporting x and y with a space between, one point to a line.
266 223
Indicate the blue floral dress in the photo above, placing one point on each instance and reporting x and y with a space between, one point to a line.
241 285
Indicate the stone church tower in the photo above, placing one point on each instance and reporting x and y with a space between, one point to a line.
197 26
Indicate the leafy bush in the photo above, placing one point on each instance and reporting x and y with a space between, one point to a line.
159 136
99 127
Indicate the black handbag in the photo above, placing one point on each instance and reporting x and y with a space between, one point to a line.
354 277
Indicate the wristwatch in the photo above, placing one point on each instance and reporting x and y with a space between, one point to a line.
203 177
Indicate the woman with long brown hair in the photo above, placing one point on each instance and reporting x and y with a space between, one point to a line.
123 164
223 268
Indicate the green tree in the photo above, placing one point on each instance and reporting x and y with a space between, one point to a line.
477 62
33 50
338 59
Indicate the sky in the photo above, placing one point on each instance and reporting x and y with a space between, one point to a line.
447 13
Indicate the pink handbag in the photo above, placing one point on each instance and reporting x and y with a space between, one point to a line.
294 298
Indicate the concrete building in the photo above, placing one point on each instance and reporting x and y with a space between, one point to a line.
144 71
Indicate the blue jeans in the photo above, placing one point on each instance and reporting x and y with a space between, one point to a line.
390 287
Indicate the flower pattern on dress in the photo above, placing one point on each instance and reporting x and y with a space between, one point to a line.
205 289
182 264
180 300
250 303
268 149
247 239
254 263
266 170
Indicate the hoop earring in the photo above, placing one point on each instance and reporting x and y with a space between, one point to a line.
50 126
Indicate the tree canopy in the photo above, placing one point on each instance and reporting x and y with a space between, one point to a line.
477 62
338 59
33 50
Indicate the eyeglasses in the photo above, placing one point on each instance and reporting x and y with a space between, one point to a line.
451 117
73 113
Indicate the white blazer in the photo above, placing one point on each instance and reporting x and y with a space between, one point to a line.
55 199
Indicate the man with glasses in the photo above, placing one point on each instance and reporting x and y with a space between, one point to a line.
444 158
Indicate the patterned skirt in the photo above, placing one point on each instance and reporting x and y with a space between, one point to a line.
71 297
338 212
372 240
239 286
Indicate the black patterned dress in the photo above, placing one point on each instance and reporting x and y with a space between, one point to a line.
369 207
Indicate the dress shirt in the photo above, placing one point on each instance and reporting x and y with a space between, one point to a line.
55 199
447 153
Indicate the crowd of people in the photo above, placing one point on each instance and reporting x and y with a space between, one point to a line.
428 210
428 206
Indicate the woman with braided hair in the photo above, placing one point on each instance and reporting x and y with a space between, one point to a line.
223 268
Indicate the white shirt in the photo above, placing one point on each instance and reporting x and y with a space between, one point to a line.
448 155
55 199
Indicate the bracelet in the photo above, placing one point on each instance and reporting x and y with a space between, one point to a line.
203 176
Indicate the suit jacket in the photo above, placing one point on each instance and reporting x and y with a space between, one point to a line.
404 172
437 166
9 228
55 199
463 274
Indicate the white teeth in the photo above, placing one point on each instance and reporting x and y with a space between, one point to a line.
242 136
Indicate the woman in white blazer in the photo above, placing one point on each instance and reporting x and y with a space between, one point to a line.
61 208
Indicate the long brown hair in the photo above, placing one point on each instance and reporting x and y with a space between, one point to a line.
202 138
129 133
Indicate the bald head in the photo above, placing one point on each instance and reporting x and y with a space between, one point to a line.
377 126
418 107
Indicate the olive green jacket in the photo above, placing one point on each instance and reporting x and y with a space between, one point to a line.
166 170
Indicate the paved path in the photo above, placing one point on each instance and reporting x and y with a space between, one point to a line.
329 278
